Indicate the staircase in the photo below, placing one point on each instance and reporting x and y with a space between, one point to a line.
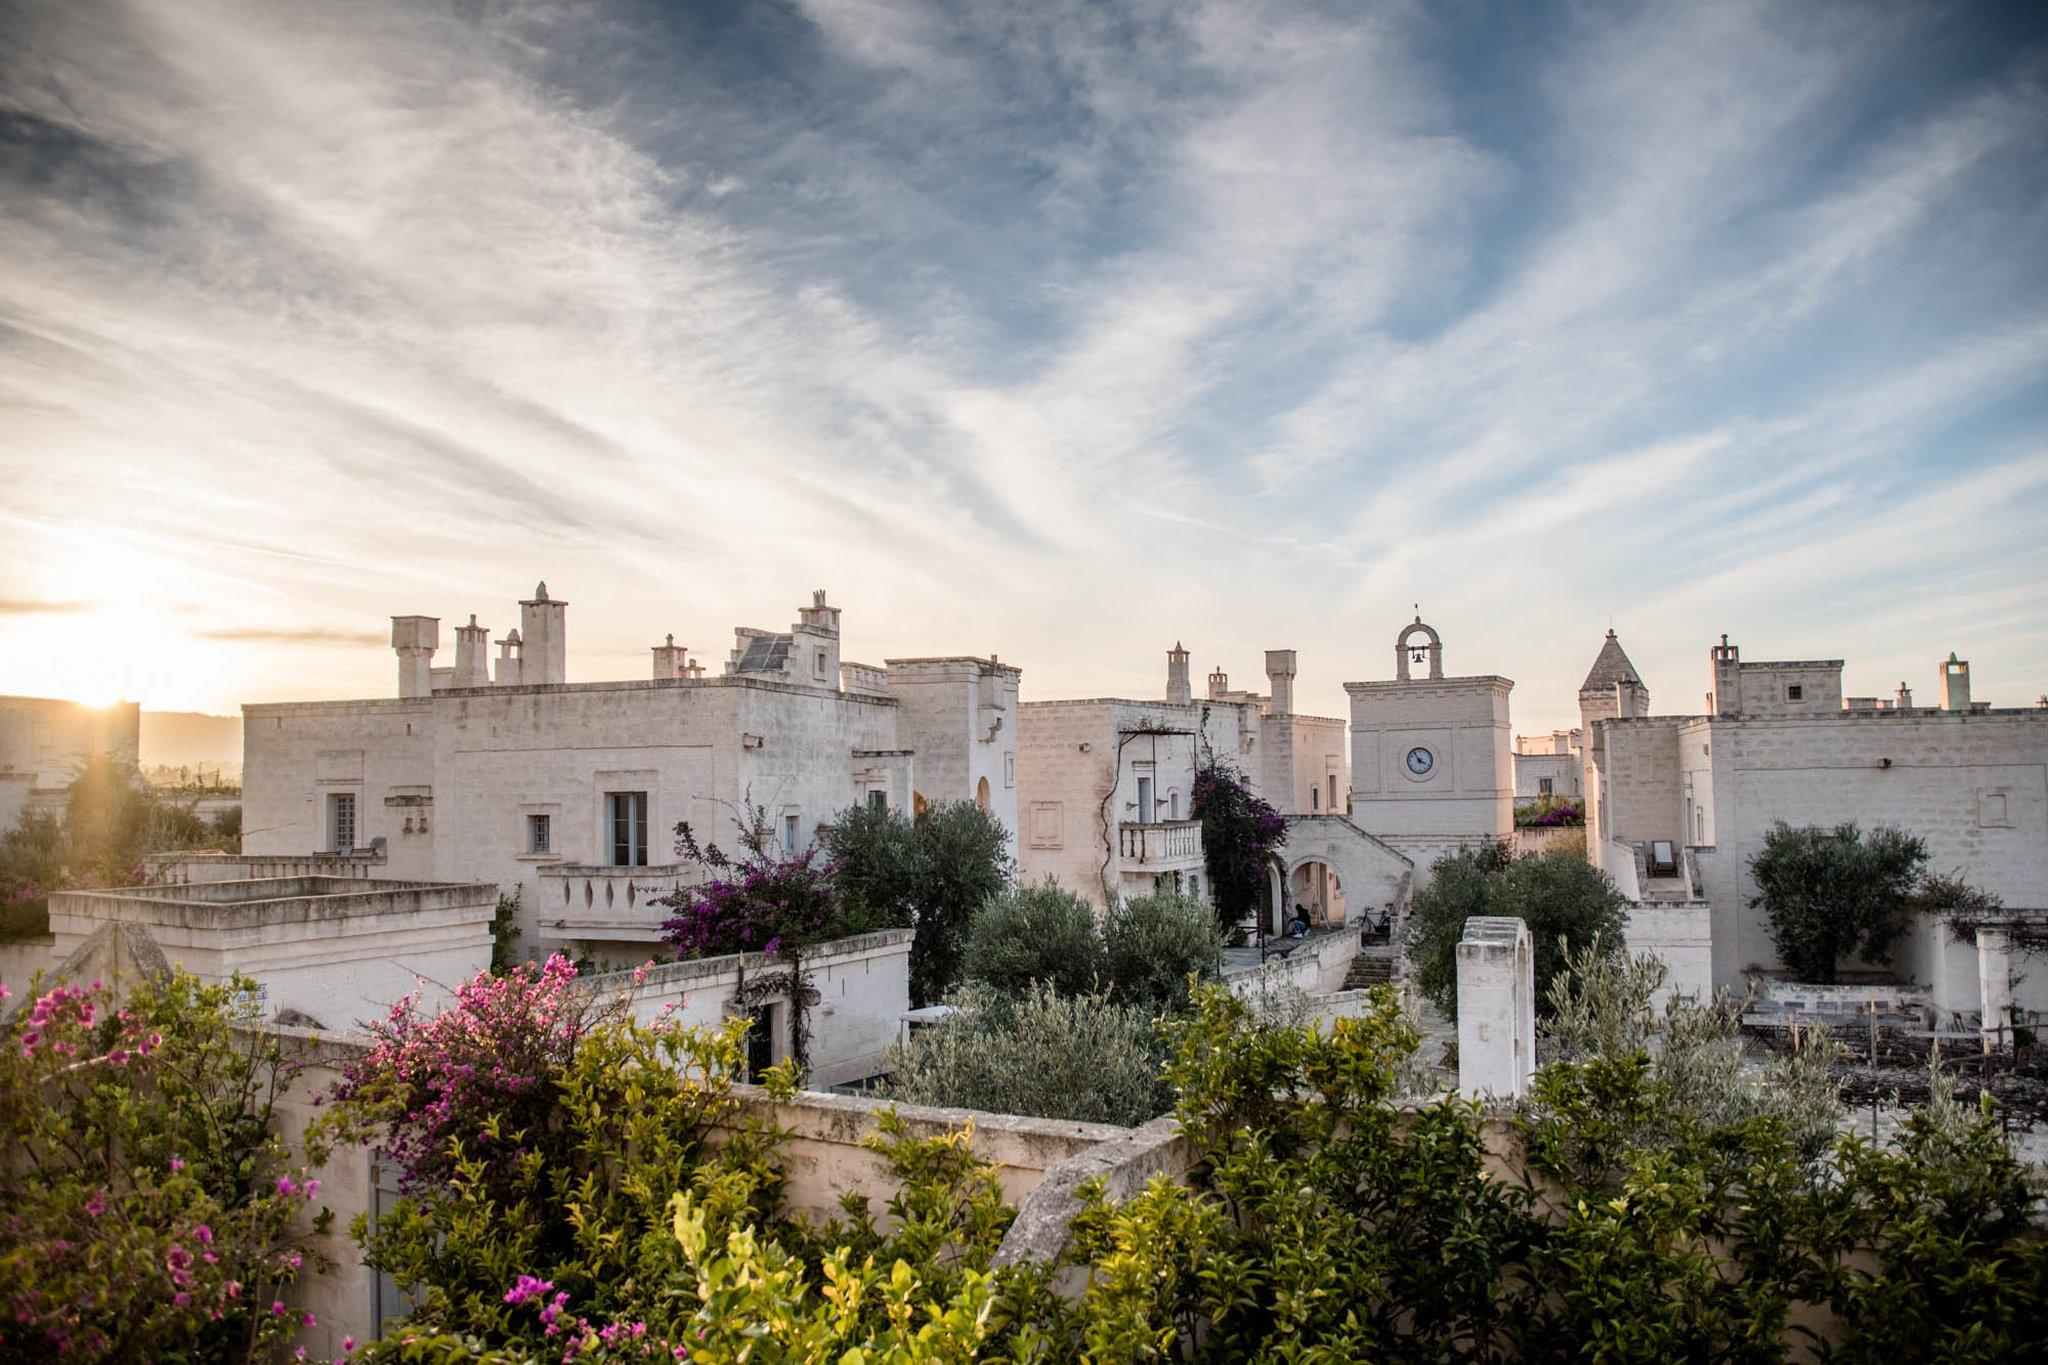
1370 968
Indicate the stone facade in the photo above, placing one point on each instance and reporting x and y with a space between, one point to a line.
570 793
1968 779
1549 767
1431 765
1106 803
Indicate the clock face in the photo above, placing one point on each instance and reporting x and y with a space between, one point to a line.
1420 761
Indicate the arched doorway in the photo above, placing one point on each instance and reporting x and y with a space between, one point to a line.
981 793
1316 886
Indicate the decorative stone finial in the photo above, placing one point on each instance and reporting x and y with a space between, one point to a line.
540 594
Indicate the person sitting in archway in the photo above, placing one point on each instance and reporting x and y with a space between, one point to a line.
1298 927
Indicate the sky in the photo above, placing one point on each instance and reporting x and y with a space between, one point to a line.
1062 331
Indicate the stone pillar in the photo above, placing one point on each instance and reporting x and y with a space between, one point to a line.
1955 684
1994 985
544 638
1496 1008
415 638
671 660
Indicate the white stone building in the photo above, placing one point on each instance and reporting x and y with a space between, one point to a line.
1107 791
1548 767
45 741
1432 769
569 793
1680 804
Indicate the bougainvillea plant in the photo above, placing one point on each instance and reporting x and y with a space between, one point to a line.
1241 833
764 901
482 1071
149 1209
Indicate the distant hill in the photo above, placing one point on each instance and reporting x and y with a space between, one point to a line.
179 739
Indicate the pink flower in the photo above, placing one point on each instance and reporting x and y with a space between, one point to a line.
234 1289
312 1188
181 1298
97 1205
348 1343
119 1056
177 1163
202 1233
277 1308
286 1185
307 1320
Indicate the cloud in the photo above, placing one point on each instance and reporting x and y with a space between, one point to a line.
1061 330
32 606
260 635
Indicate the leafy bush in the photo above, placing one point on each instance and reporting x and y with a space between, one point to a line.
1564 899
151 1209
877 863
1029 934
1241 833
965 861
1152 945
1832 894
1087 1058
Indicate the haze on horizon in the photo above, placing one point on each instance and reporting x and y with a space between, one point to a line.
1061 331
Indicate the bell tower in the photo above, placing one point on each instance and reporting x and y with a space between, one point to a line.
1432 761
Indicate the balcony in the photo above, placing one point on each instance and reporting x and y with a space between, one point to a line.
1168 846
611 903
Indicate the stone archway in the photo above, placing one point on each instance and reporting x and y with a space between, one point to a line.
1317 886
1373 878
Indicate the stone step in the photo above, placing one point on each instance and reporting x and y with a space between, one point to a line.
1368 971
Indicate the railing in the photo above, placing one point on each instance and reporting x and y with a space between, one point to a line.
1169 843
600 896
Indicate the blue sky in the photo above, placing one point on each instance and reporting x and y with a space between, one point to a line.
1059 330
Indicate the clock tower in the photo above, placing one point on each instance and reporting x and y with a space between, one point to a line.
1432 760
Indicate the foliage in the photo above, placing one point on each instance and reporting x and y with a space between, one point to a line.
1551 812
877 860
933 873
1086 1058
964 861
539 1136
505 931
151 1209
1028 934
1152 945
111 821
1241 834
1564 900
765 901
1322 1224
1833 894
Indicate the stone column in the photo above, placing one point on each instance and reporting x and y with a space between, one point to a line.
1994 985
1496 1008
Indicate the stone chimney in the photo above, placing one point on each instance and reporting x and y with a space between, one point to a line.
1219 683
671 660
544 639
1726 699
511 661
1178 688
472 655
415 638
1955 683
1280 682
1904 699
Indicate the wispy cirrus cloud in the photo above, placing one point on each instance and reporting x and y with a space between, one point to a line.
1045 329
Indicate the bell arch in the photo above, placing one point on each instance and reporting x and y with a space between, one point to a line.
1405 653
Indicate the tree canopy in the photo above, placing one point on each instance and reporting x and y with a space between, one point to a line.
1835 893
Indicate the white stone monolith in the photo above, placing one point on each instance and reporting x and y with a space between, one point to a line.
1496 1008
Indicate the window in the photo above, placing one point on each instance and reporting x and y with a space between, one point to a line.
626 814
1333 791
1315 799
1146 810
878 799
539 836
1795 692
818 663
1173 805
341 821
789 834
1545 786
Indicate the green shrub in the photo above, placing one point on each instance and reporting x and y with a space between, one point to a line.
1038 933
1835 893
1565 900
1088 1058
1152 945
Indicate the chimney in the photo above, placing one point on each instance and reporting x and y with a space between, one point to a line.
1726 698
544 639
415 638
1905 696
511 662
1280 681
472 662
1955 683
1219 683
671 660
1178 689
